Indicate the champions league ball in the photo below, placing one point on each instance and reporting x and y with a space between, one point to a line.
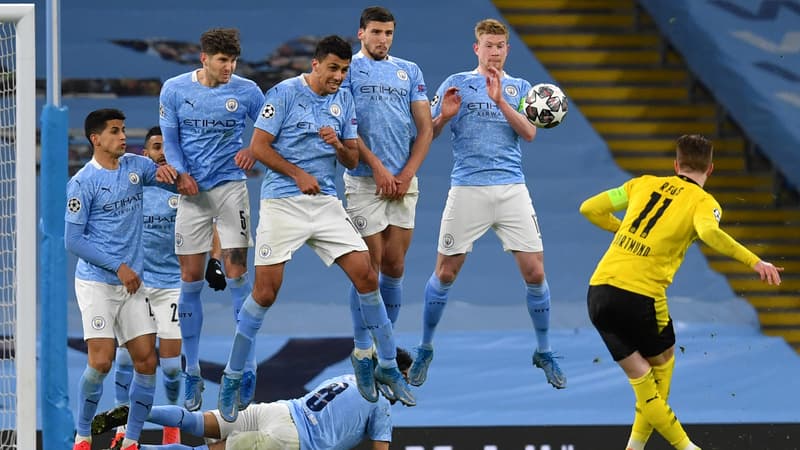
545 105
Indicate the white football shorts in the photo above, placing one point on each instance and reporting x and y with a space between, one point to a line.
164 308
371 214
229 204
108 311
471 210
262 426
320 221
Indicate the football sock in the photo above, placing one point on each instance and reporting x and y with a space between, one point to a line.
374 313
250 319
172 447
142 390
90 389
641 429
176 416
436 294
190 311
656 411
538 299
123 374
392 293
240 288
171 367
362 338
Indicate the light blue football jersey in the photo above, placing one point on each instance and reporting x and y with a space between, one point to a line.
383 92
293 113
161 268
335 416
486 150
109 203
210 123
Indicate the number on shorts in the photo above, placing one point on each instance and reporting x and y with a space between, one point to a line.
654 198
149 309
325 395
174 307
243 219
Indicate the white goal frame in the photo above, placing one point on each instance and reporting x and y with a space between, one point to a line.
26 228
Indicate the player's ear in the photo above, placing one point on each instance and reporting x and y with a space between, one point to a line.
710 169
676 166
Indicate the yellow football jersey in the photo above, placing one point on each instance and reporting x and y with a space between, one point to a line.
663 216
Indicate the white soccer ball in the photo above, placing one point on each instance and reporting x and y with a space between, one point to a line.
545 105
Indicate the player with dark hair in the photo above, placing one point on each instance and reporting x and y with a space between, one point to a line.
203 114
395 129
307 124
333 415
627 299
104 230
487 191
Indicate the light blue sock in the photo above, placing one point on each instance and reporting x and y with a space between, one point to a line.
190 312
239 288
373 312
392 293
436 294
123 374
538 299
176 416
171 367
142 390
250 319
90 389
362 338
172 447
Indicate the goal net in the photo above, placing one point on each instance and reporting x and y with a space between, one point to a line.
17 228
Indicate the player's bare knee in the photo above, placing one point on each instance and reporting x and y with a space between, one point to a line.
147 364
264 296
393 268
235 261
533 276
101 365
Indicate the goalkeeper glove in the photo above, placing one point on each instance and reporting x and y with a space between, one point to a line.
214 275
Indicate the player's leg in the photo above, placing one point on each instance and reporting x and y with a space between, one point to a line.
123 375
663 366
396 241
193 235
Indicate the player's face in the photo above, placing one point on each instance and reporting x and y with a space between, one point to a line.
492 50
218 68
376 39
112 139
155 150
329 73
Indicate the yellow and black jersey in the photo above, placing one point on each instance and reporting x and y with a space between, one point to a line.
663 216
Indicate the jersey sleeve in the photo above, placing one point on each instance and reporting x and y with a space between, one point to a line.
167 114
256 102
599 209
350 124
379 426
79 202
419 91
706 223
274 111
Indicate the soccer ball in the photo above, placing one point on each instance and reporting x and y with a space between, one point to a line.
545 105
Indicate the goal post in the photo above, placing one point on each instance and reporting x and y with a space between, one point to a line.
18 232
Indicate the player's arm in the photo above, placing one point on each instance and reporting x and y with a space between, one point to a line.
708 231
518 121
75 241
347 152
380 445
421 112
384 180
600 208
261 146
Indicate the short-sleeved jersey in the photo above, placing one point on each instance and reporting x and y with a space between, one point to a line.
383 92
664 216
109 204
210 123
486 150
161 268
335 416
293 114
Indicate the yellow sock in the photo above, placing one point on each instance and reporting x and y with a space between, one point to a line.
641 429
657 412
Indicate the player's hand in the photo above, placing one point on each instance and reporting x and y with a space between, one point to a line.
215 276
768 272
403 180
328 134
451 102
244 159
129 278
187 185
385 185
166 174
494 85
307 183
